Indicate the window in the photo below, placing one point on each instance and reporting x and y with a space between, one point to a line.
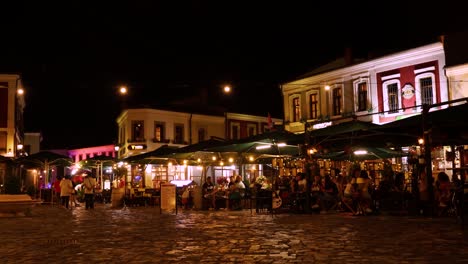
425 89
201 134
179 134
313 106
337 101
391 96
235 131
3 142
138 132
159 133
296 110
362 97
251 130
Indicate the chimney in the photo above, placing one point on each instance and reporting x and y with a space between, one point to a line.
348 56
442 40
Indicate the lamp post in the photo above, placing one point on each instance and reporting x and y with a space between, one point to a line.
123 91
226 90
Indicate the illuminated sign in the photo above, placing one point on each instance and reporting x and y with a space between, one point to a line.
322 125
136 147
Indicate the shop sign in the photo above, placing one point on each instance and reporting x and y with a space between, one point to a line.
136 147
408 91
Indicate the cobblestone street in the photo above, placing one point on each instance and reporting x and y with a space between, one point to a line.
142 235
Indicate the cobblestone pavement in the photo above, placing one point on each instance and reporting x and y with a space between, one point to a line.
51 234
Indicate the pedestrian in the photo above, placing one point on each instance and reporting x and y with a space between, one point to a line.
57 197
65 189
89 185
73 201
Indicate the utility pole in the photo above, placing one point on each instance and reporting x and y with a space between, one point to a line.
428 156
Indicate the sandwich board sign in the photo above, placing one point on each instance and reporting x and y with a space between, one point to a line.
168 198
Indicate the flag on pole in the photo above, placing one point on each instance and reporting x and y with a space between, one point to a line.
270 123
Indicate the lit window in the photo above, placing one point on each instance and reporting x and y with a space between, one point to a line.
313 106
296 110
337 104
159 134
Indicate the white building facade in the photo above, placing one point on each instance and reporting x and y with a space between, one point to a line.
380 90
143 130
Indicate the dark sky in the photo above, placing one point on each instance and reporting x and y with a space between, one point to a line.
74 55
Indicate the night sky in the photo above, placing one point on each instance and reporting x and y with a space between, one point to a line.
74 55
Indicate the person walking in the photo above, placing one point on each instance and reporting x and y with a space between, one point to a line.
89 183
66 187
73 201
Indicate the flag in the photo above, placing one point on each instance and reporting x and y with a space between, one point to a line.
270 123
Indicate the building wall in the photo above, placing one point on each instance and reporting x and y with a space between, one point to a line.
32 142
213 126
400 67
457 81
85 153
11 114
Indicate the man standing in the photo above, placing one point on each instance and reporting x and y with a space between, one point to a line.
65 189
89 183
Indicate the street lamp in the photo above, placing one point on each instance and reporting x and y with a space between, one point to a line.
123 91
227 90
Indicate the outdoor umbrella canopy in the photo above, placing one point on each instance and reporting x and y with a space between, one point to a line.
192 152
43 158
94 161
361 153
359 133
159 152
448 126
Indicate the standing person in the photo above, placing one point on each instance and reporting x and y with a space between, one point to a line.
65 189
57 196
73 201
89 183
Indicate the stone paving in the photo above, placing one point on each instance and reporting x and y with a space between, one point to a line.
51 234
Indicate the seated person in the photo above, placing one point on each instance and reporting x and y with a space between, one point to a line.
329 194
316 191
364 182
209 192
443 189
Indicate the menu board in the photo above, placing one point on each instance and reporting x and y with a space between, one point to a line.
168 197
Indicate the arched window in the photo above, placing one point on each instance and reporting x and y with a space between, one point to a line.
362 96
391 97
425 89
295 108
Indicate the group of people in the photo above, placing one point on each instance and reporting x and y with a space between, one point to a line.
231 192
65 190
